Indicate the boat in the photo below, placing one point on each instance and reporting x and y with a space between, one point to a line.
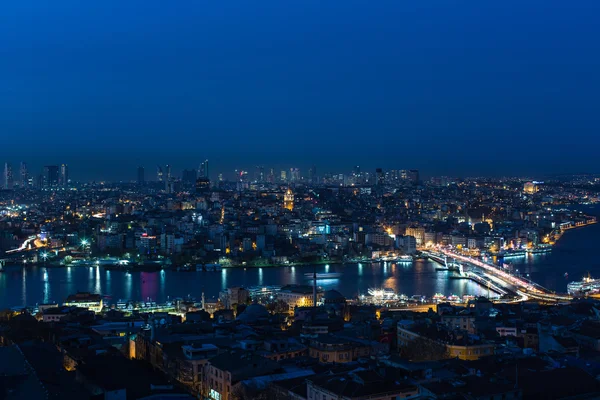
384 293
324 275
454 298
587 285
468 297
439 297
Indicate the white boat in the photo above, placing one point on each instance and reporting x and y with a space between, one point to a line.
587 285
382 293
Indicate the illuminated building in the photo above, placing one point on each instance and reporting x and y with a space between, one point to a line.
418 233
283 176
140 176
530 187
159 173
50 176
91 301
63 179
8 176
288 199
202 185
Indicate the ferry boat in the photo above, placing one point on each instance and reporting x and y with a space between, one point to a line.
439 297
385 293
587 285
468 297
454 299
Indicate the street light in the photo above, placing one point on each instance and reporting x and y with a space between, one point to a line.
44 256
84 242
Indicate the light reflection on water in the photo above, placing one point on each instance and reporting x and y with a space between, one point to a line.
55 284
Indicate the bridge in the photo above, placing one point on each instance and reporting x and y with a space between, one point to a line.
524 288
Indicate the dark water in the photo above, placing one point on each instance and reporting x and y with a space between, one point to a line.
19 286
576 253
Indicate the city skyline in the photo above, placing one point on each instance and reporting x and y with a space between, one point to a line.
155 173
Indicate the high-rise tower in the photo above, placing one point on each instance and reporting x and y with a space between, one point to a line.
63 178
8 176
141 179
24 174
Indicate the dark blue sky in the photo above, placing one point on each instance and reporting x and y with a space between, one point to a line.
448 87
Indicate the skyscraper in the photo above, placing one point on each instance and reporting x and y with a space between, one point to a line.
413 176
63 179
8 176
168 179
271 175
50 176
312 174
379 176
159 173
188 177
141 179
294 174
24 174
203 170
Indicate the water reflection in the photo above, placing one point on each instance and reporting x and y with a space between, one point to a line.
224 278
420 278
24 287
98 286
108 282
46 281
128 287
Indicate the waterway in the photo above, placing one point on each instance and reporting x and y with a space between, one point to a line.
575 253
28 286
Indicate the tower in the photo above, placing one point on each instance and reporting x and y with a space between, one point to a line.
312 174
288 199
63 178
159 173
24 174
203 170
50 176
141 179
8 176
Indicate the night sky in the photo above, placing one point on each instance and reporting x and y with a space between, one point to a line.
447 87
